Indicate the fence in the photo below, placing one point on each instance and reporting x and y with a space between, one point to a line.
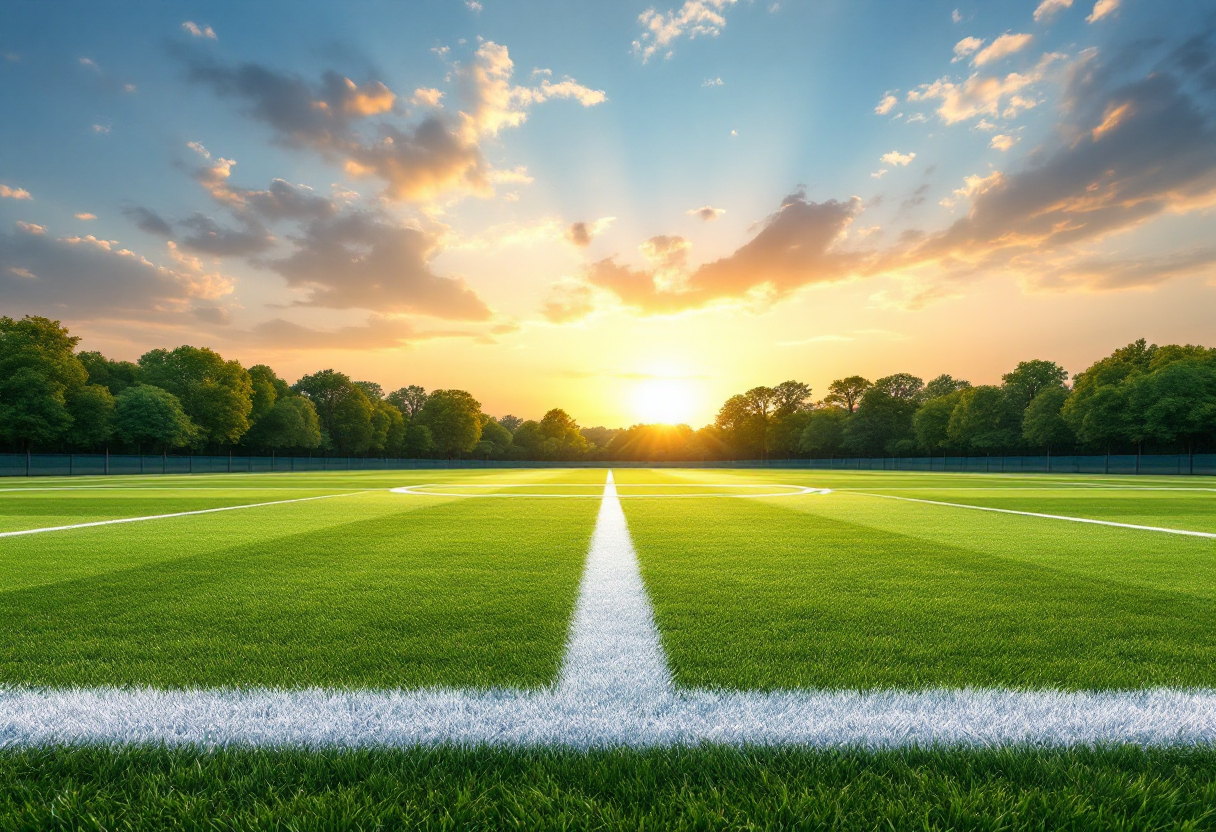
42 465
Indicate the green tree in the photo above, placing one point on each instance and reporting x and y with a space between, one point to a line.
409 400
1043 424
560 428
1030 378
528 439
92 410
216 394
944 385
824 431
846 392
417 442
1097 409
511 422
38 369
932 421
291 423
1175 404
343 409
115 375
496 436
373 390
388 428
453 419
986 419
267 389
147 415
882 423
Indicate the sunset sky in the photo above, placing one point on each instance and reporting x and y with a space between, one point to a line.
598 206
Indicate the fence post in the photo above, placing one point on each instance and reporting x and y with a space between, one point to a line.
107 460
27 461
71 457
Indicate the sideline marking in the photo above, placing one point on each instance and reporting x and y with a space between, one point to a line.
174 514
795 490
1090 520
614 690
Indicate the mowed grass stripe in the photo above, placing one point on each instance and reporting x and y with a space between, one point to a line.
758 596
415 593
1193 513
113 521
700 788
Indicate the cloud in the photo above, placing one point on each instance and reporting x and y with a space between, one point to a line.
90 278
148 220
89 63
362 260
1130 152
712 82
568 302
708 213
1102 8
897 158
694 18
1002 47
285 201
208 237
795 247
879 174
1111 273
1002 142
84 215
101 128
427 97
494 103
887 103
956 16
417 162
14 193
193 28
378 333
966 47
983 95
582 233
1048 8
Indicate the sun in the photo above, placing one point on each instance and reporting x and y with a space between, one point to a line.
663 400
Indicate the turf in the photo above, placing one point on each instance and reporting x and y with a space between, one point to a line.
376 590
845 591
698 788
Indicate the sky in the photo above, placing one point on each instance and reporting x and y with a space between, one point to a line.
627 210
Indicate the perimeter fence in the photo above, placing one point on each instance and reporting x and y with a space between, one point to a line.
44 465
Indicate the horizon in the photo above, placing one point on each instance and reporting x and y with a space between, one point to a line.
626 212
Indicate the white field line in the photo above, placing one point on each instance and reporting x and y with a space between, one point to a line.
793 490
614 690
20 532
1089 520
613 653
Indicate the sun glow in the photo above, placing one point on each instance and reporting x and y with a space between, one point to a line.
667 400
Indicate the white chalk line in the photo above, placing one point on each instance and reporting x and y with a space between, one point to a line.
614 689
1090 520
20 532
794 490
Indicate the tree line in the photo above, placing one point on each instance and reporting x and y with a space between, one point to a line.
54 398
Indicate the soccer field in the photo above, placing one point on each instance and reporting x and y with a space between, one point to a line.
559 639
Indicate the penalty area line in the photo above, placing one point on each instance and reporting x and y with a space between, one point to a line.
1090 520
20 532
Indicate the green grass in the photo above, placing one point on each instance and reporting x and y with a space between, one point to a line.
846 591
701 788
377 590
